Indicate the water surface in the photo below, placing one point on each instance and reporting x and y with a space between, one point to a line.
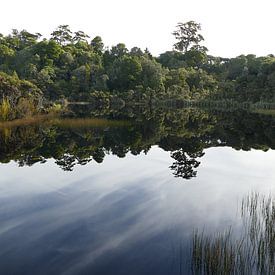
125 198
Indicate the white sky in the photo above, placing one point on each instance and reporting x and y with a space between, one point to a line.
230 28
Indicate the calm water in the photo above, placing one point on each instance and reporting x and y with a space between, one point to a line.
124 197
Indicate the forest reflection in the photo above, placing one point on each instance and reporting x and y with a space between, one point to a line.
185 133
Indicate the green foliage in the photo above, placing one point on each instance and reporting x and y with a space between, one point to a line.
188 36
246 78
55 108
124 73
152 74
69 65
62 35
19 97
97 44
172 60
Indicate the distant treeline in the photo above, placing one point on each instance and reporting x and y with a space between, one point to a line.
70 65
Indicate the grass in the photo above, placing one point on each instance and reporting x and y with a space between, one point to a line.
87 122
5 109
34 120
52 119
252 253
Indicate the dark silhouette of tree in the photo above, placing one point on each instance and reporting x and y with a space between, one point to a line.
185 164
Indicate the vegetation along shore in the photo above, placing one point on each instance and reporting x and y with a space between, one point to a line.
41 75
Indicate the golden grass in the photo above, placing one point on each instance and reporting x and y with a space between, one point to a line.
87 123
63 123
5 109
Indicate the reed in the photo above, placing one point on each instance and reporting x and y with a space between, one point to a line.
5 109
251 253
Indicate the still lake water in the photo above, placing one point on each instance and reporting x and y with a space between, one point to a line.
114 199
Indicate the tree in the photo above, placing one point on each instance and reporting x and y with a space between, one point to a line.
62 35
136 51
187 34
152 74
185 164
196 56
80 36
124 73
119 50
27 39
97 44
176 83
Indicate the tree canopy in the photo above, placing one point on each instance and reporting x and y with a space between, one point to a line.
74 66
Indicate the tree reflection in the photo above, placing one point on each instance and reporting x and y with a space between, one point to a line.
185 133
185 164
67 162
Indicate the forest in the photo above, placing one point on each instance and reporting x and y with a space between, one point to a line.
40 74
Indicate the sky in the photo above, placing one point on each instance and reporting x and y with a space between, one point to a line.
230 28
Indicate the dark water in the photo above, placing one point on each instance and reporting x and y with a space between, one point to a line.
124 195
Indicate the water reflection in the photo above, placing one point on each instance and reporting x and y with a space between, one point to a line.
103 217
251 252
185 133
121 210
185 164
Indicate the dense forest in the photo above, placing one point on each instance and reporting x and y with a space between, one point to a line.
70 66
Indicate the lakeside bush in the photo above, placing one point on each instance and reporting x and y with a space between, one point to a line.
18 98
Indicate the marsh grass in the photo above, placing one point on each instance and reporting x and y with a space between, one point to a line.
52 119
251 253
88 122
5 109
28 121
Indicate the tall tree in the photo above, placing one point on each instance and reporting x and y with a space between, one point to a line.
97 44
187 34
80 36
62 35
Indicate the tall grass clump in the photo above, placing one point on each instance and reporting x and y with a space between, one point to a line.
5 109
251 253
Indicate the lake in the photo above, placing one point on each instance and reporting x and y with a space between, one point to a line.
124 192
